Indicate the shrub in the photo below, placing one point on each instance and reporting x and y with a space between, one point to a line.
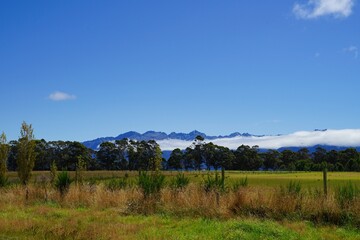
292 188
63 182
151 184
243 182
211 183
116 184
346 194
3 181
180 181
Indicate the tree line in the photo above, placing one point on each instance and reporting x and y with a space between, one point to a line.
127 154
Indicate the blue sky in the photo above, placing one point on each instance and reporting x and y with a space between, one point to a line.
78 70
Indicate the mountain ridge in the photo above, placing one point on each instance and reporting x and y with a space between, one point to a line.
154 135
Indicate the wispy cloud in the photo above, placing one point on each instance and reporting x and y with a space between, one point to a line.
346 137
318 8
353 50
61 96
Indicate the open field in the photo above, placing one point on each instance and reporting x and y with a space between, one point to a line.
53 222
268 207
255 178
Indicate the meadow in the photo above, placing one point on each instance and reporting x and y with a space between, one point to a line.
250 205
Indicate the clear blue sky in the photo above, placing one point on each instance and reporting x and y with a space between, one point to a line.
78 70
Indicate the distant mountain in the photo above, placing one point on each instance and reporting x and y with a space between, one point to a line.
327 139
158 136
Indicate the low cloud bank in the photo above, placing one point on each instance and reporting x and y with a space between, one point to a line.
341 138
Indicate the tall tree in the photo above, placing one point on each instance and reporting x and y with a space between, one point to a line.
4 153
176 160
107 156
26 154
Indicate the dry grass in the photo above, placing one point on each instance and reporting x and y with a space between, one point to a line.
193 201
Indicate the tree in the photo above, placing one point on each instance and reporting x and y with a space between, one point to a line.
194 154
271 159
247 158
4 153
176 160
26 154
107 156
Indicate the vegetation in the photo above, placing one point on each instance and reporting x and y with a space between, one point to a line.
4 152
62 183
278 196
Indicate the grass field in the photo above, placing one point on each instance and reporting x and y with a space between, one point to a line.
54 222
265 209
255 178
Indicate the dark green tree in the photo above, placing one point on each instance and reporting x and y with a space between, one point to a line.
108 155
271 159
176 160
247 158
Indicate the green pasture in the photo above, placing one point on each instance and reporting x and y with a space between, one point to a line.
53 222
255 178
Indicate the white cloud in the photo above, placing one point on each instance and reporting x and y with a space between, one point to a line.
317 8
61 96
346 138
353 50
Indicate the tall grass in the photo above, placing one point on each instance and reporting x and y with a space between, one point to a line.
341 206
347 194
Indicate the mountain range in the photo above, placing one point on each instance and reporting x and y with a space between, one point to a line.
328 139
157 136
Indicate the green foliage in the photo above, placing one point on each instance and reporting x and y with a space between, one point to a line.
26 153
63 182
116 184
53 172
239 183
292 188
213 183
4 152
4 181
151 184
80 169
179 182
347 193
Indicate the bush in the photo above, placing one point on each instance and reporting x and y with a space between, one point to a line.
62 183
346 194
116 184
292 188
3 181
211 183
243 182
151 184
180 181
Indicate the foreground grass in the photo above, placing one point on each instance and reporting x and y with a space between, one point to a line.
46 221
